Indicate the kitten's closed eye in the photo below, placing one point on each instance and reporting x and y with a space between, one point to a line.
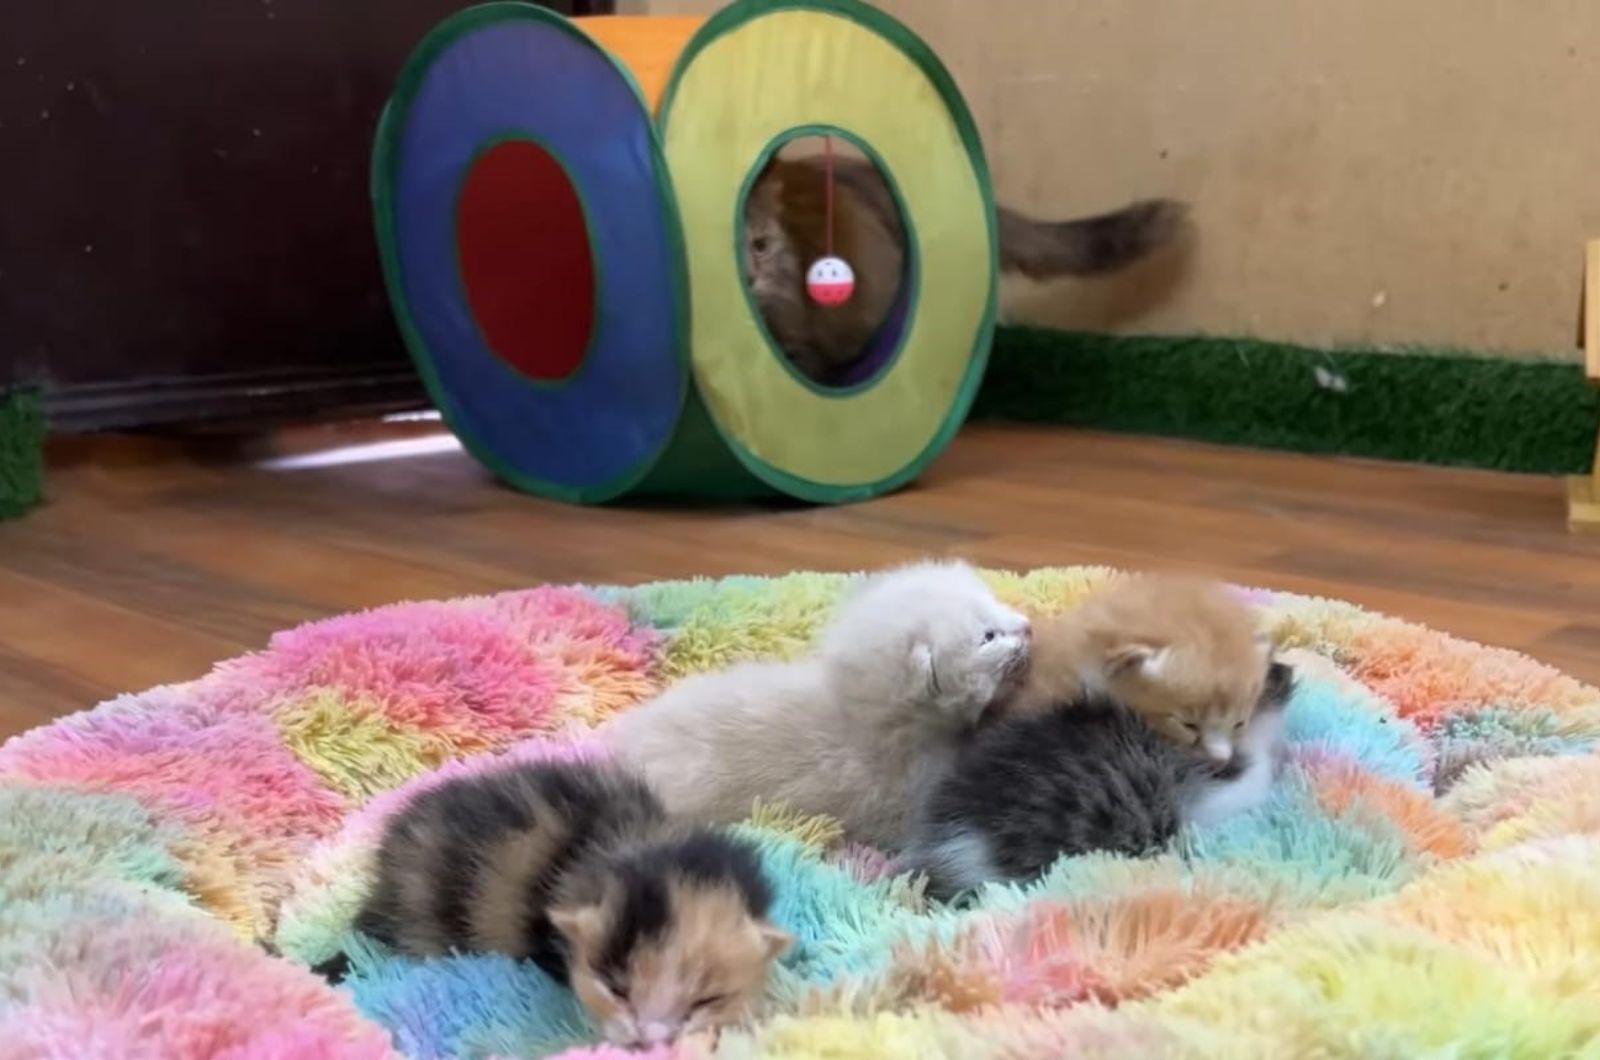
708 1002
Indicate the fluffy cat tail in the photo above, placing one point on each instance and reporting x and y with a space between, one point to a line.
1088 245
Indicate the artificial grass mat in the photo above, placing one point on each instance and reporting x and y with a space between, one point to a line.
1436 407
21 452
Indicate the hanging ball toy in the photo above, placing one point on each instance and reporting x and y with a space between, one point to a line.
830 281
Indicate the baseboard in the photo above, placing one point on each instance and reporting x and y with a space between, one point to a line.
21 452
1428 406
233 399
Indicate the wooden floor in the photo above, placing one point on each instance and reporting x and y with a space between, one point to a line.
155 559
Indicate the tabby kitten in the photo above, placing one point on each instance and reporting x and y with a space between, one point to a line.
1081 777
785 231
660 929
1183 653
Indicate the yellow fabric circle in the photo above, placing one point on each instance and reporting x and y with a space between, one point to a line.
744 89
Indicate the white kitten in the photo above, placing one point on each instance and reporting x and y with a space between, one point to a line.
1262 742
908 665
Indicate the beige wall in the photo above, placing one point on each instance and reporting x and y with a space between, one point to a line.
1389 171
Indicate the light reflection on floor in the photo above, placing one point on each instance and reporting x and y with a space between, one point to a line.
364 453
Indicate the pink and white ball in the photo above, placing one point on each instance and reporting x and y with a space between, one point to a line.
830 281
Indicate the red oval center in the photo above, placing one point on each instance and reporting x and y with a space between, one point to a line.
525 259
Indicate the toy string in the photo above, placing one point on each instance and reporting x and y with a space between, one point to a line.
827 157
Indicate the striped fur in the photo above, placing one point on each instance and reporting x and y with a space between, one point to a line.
574 865
786 229
1085 776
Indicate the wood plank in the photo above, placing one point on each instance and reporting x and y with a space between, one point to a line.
1583 500
1583 491
92 644
153 560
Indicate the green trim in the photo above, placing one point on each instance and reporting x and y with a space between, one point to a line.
21 452
1431 406
596 321
913 275
384 161
699 464
897 34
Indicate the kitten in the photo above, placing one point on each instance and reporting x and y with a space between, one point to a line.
785 231
855 730
1183 653
660 929
1084 776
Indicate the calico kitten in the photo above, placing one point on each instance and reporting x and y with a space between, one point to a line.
660 929
785 231
1183 653
1085 776
855 730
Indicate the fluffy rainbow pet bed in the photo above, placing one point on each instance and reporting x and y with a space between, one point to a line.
1424 882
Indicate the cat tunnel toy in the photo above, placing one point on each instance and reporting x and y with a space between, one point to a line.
559 206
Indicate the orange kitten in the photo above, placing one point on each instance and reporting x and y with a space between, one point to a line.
1182 652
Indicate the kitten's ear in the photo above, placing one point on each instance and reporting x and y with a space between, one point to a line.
1279 686
773 937
580 926
1148 658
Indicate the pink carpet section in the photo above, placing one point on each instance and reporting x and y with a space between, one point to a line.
237 807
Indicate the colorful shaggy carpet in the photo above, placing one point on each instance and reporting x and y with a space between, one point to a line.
1425 881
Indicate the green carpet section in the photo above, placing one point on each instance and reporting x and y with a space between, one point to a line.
1426 406
21 452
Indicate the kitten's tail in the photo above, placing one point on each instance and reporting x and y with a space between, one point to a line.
1088 245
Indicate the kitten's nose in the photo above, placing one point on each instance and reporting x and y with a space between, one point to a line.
657 1033
1219 751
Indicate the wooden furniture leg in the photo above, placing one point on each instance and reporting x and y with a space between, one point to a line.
1583 491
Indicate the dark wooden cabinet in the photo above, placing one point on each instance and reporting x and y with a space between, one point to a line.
185 230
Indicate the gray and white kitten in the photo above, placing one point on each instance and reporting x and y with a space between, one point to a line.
1086 776
857 729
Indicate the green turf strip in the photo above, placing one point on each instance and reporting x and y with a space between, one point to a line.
21 452
1431 406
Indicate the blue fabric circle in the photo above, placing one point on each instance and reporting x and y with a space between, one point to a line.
527 77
